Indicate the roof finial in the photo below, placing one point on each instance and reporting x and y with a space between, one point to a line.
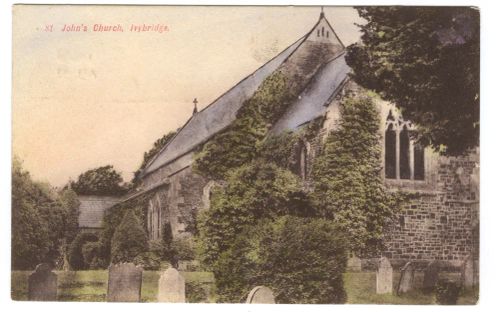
195 110
322 14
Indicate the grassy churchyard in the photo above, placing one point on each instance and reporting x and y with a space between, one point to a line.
92 286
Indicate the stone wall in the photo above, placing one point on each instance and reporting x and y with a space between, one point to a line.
440 221
178 203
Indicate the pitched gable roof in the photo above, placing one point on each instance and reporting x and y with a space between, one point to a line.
220 113
313 101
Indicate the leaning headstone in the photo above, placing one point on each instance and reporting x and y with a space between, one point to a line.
431 275
406 279
354 264
384 276
124 283
260 294
42 284
171 287
468 272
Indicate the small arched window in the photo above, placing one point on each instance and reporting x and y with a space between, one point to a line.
327 33
322 31
318 32
207 194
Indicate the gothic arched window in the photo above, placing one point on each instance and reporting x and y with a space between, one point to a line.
404 159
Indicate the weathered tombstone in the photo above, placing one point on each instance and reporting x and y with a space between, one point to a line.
124 283
468 272
42 284
171 287
354 264
384 276
260 294
406 279
431 275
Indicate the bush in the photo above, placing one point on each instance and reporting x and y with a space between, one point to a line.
183 248
75 257
159 248
256 191
300 259
92 255
148 260
447 292
195 292
129 240
114 216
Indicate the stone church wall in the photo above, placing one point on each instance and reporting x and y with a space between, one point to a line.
442 223
180 201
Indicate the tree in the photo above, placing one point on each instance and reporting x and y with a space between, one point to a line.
348 187
30 233
41 217
103 181
426 61
69 199
129 240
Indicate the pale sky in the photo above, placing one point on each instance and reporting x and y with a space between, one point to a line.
88 99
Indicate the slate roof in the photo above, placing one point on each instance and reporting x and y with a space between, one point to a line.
217 115
220 113
92 210
313 101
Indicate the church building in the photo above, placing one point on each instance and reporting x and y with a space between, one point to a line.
440 222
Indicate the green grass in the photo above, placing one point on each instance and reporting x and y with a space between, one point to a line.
360 288
92 286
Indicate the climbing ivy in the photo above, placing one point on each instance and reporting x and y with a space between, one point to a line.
348 186
280 149
236 145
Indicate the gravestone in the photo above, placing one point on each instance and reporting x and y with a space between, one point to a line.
468 272
171 287
354 264
42 284
431 275
124 283
260 294
406 279
384 276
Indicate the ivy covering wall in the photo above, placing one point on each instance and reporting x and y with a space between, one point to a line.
348 186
